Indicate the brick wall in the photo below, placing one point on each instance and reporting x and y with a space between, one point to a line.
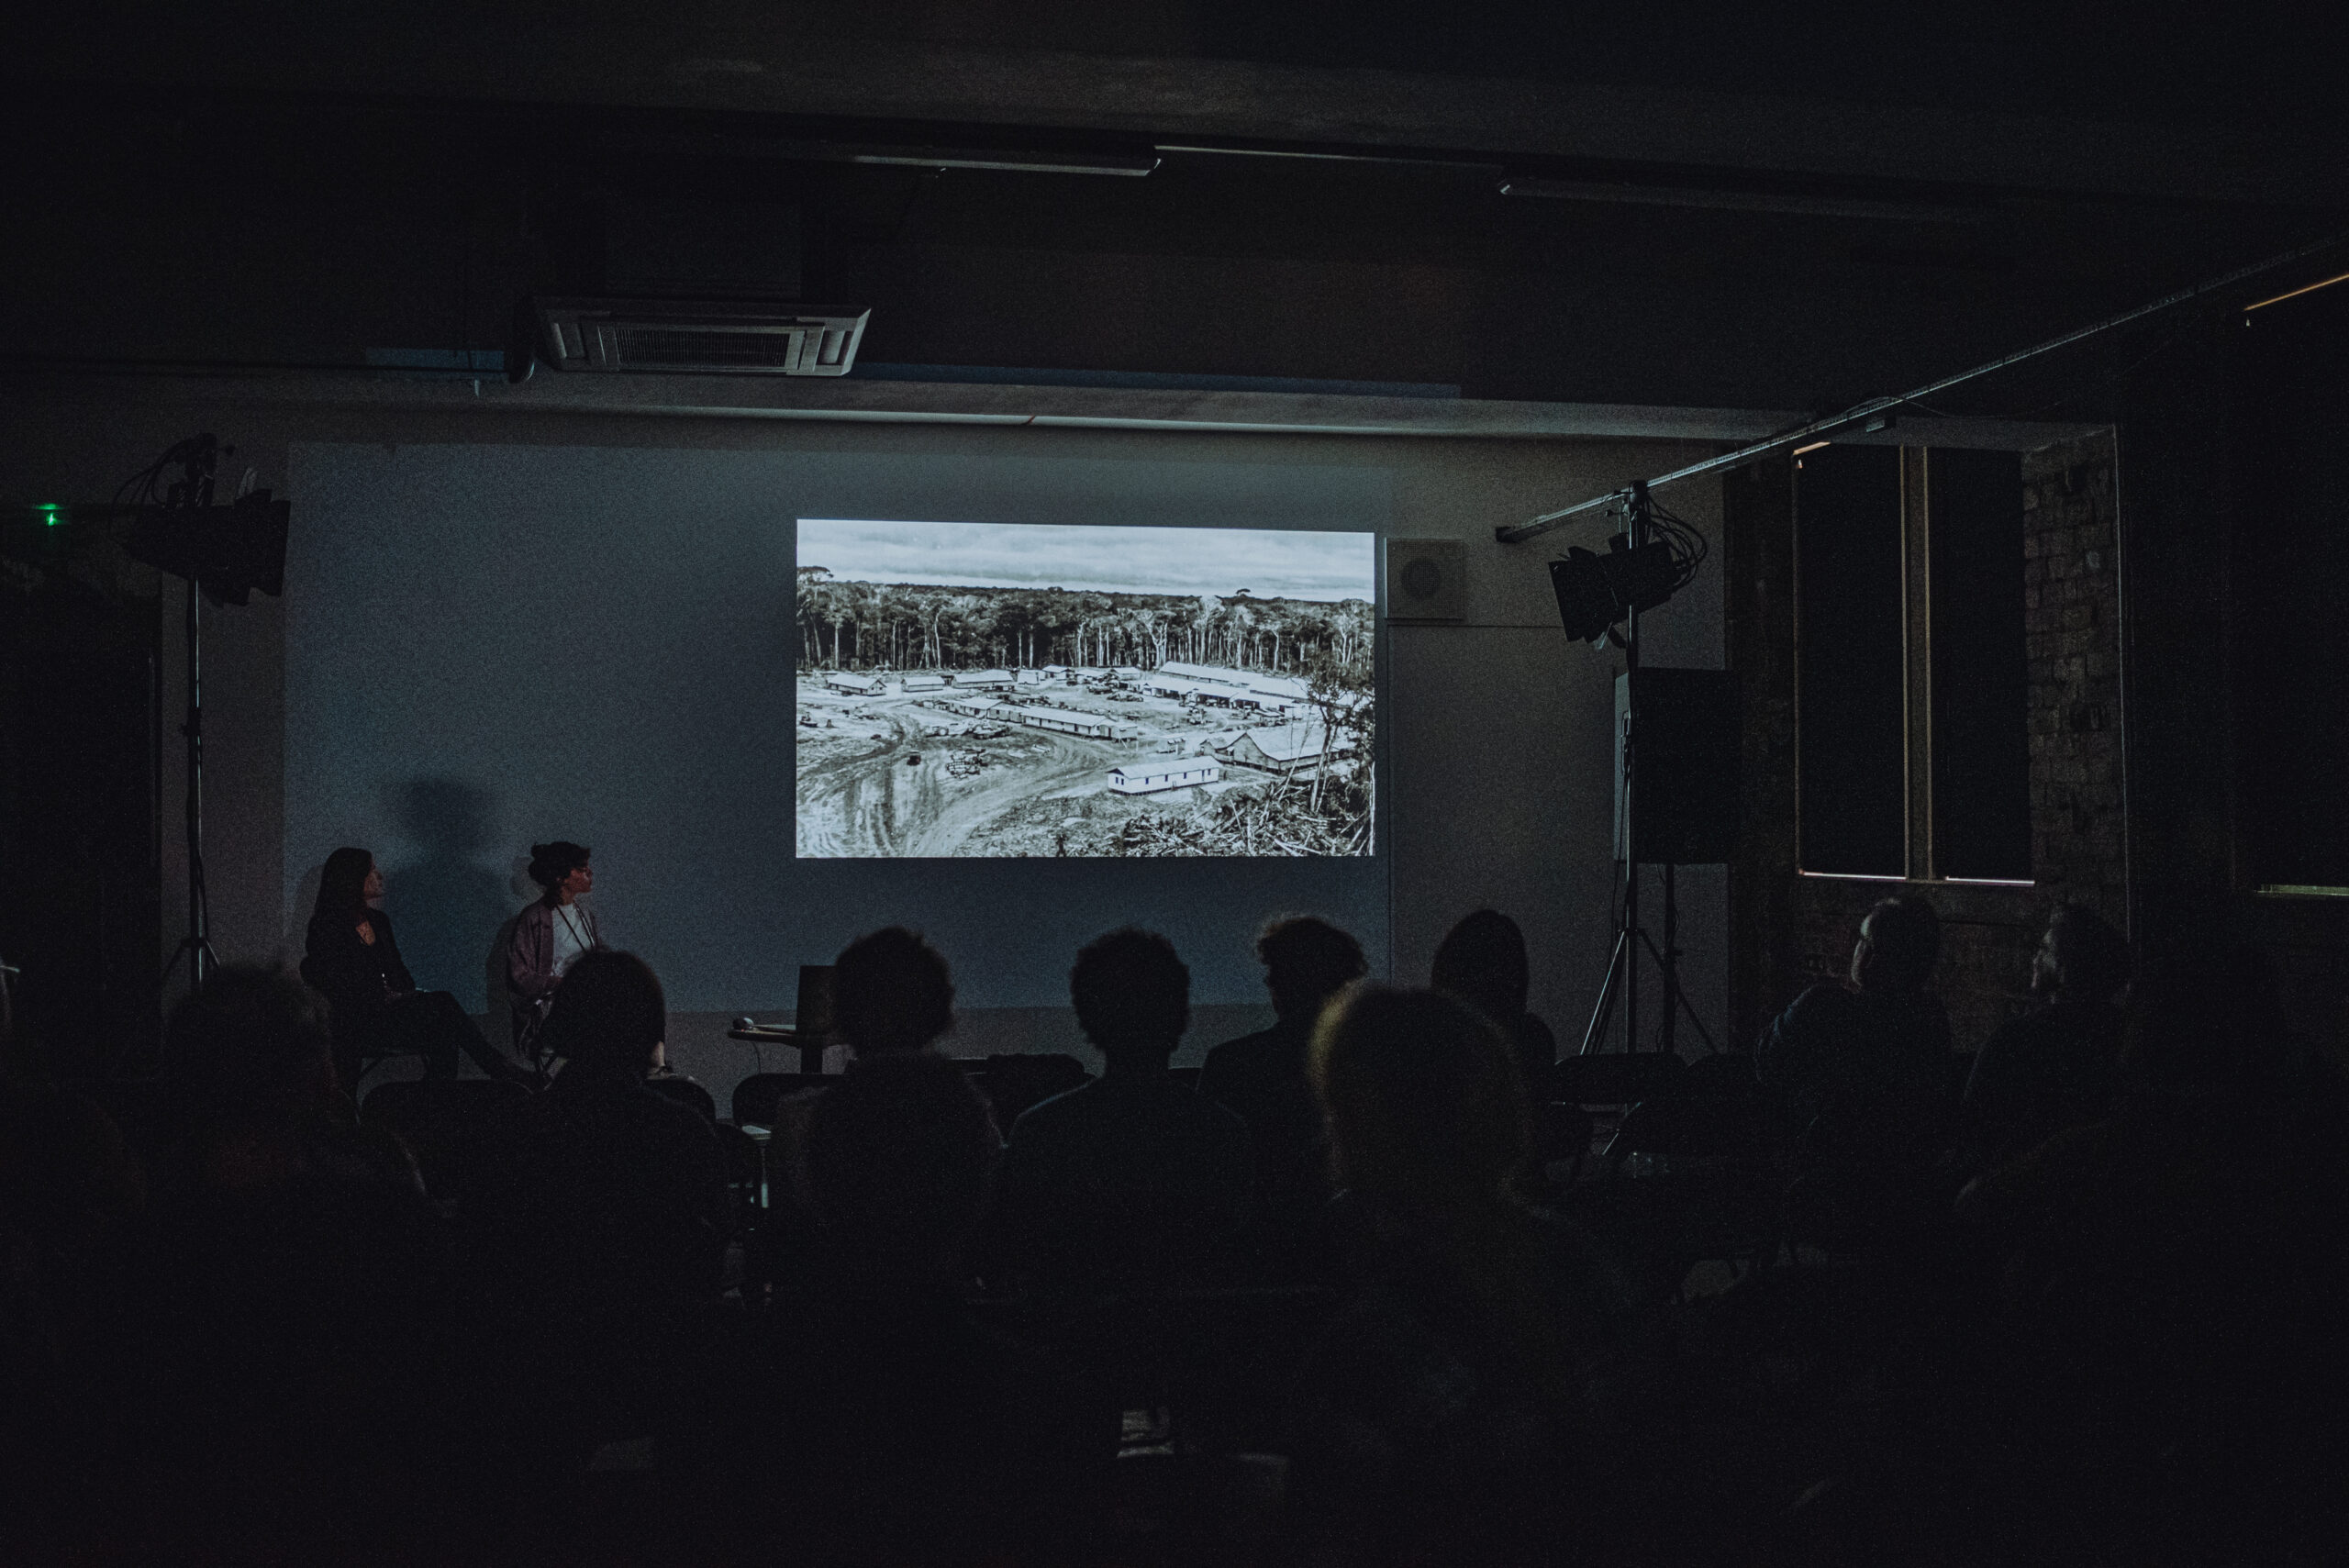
2072 621
1790 930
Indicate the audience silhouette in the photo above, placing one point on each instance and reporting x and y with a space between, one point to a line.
250 1330
1481 963
1261 1079
284 1301
606 1221
909 1423
1866 1066
2059 1066
1451 1410
1132 1181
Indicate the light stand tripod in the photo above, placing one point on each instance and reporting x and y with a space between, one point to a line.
197 944
1623 964
196 457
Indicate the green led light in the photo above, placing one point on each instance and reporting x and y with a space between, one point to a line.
53 516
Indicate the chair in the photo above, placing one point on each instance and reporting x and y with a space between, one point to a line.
1705 1126
685 1092
757 1097
1713 1201
359 1054
1615 1078
1014 1082
1561 1134
447 1124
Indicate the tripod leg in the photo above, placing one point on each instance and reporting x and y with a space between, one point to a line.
1622 956
1678 995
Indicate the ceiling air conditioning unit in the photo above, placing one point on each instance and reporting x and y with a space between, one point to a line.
695 337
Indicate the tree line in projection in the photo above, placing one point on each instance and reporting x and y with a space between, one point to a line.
846 625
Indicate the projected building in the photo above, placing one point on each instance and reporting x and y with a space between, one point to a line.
1284 747
1081 724
1231 688
1175 773
1103 687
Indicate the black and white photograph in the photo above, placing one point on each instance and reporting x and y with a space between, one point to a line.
1008 689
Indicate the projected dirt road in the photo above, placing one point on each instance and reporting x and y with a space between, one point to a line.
970 718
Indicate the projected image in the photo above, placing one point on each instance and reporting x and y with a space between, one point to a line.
1004 689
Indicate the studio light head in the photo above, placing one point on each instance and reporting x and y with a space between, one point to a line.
1595 591
1638 571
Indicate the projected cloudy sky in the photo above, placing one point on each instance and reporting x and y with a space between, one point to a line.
1268 564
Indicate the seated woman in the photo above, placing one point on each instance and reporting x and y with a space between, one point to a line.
351 959
549 936
1482 962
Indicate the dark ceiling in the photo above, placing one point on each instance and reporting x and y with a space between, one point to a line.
1851 201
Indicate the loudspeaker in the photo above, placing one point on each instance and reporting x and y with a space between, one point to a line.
1427 579
1685 801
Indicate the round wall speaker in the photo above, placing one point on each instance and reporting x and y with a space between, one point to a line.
1427 579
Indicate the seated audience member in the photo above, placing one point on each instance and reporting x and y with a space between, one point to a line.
892 996
284 1301
902 1417
1481 962
1132 1181
1261 1078
549 936
609 1219
69 1186
2058 1066
353 961
2172 1338
1451 1411
1867 1067
891 993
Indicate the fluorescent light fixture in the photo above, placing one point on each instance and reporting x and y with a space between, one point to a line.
1802 202
1812 448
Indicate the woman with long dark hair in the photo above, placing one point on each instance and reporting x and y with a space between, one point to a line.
352 960
552 934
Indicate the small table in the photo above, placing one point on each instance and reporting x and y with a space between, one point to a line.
810 1045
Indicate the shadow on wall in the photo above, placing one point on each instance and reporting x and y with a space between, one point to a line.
446 903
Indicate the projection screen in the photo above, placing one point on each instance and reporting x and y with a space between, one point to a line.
489 646
986 689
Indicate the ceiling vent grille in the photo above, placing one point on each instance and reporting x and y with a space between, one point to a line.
697 336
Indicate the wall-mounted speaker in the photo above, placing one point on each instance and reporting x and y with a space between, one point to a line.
1427 579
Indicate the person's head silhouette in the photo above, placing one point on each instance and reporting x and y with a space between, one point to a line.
609 1018
251 1047
1899 942
2081 957
891 992
1482 962
1424 1102
1306 962
1133 995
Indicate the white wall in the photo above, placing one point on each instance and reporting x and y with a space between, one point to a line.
1500 782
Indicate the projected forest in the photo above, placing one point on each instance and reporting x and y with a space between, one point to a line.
976 718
